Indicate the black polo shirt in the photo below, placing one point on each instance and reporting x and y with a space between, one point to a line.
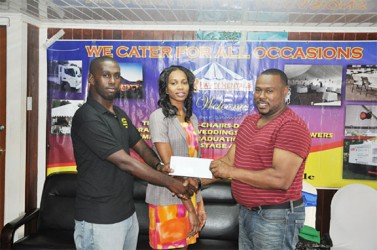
104 192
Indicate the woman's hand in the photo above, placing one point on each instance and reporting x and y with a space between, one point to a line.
194 223
202 214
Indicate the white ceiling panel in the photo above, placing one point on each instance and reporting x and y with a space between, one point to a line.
321 13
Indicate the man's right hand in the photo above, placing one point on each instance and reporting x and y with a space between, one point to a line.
182 188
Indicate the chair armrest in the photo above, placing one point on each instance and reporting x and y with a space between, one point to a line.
7 233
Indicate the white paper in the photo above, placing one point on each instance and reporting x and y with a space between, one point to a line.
190 167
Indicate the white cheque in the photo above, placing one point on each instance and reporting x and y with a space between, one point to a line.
190 167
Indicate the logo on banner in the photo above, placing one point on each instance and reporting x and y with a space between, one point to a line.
217 77
221 93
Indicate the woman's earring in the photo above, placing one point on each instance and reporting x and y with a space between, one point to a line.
288 97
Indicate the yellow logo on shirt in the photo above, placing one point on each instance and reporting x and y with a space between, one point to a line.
124 122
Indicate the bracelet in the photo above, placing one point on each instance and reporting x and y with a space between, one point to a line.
199 183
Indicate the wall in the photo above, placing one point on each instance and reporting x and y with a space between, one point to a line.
17 92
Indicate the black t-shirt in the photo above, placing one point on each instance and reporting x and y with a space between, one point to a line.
104 192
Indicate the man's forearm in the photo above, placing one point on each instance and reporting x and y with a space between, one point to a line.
152 176
148 155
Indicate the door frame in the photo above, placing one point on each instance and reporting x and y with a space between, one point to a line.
3 77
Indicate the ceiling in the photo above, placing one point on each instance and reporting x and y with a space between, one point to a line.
224 14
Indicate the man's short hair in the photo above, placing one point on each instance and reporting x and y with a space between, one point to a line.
278 72
97 61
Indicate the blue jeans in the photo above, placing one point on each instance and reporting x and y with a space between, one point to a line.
270 229
117 236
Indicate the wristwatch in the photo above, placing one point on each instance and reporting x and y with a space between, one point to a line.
159 166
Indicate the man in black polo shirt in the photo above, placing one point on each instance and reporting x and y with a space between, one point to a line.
102 135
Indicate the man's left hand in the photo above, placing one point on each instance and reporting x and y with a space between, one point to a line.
220 169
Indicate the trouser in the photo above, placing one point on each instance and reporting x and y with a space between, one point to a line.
270 229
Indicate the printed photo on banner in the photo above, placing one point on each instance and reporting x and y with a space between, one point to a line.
360 159
361 120
132 84
361 83
318 85
62 112
65 76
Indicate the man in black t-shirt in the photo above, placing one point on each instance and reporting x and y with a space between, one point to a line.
102 135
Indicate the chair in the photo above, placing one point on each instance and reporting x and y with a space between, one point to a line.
372 84
309 237
353 223
55 217
309 194
357 81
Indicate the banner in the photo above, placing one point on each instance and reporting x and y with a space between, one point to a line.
333 88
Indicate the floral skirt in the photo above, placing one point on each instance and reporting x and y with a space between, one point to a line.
169 226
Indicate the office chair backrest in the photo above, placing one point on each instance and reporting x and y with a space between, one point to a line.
57 203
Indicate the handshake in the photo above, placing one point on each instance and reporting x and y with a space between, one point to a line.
182 187
189 171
